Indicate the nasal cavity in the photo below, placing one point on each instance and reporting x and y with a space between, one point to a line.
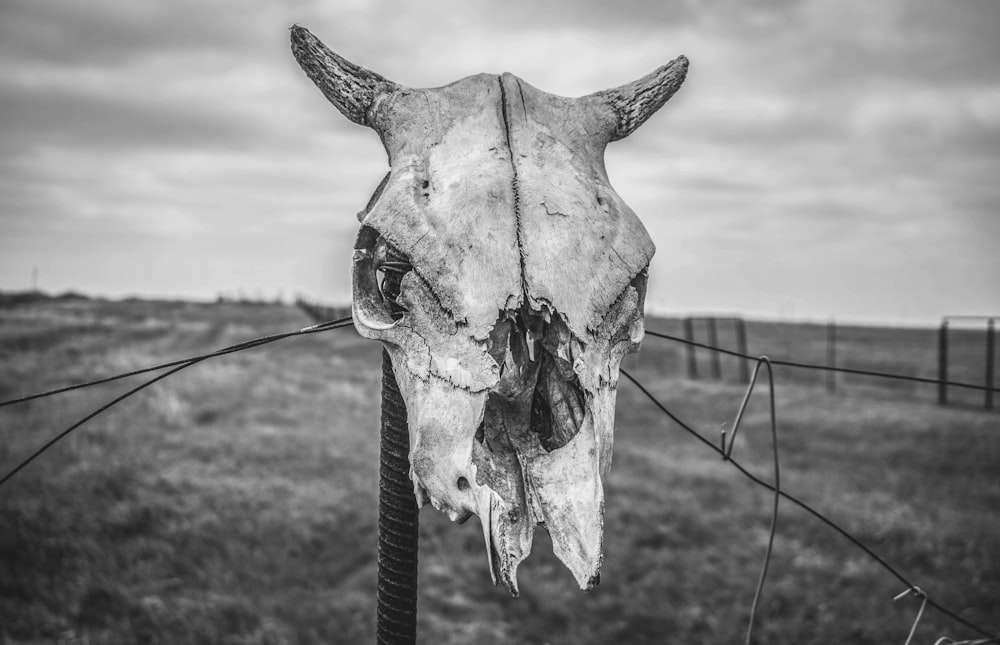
536 377
558 404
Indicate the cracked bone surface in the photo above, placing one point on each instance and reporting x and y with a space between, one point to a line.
506 279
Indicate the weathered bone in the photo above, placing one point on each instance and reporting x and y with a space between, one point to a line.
351 88
635 102
506 279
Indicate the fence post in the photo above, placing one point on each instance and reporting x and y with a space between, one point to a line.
831 355
741 342
943 362
398 522
713 340
692 359
990 344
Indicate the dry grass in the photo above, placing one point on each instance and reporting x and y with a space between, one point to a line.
236 501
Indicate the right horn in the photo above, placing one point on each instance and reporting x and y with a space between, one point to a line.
351 88
635 102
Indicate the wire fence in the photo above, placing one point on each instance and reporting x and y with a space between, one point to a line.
175 366
946 342
725 451
724 448
954 365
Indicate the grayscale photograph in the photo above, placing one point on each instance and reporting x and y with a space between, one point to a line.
548 322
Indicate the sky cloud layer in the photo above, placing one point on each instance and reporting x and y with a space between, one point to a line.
823 159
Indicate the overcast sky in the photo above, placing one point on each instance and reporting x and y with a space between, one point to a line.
824 158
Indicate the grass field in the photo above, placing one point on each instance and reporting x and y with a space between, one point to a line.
236 501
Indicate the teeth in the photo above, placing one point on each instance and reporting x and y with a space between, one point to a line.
567 486
508 539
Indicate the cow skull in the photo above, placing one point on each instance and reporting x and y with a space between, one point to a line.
506 279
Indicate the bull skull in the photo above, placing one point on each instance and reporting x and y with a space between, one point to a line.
506 279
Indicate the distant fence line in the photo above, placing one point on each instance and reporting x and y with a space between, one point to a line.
739 326
711 324
990 356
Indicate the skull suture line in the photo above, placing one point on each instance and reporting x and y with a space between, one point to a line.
506 279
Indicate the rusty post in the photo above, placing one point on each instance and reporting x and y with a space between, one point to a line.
692 358
990 346
398 521
713 340
943 363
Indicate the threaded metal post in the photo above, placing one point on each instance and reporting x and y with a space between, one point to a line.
398 521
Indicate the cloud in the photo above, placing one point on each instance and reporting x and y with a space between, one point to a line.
818 151
104 33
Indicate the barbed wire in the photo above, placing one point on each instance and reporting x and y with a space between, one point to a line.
249 344
826 368
726 454
911 589
176 365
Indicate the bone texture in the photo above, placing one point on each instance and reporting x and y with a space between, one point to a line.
514 290
351 88
635 102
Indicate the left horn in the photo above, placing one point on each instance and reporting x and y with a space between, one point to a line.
637 101
351 88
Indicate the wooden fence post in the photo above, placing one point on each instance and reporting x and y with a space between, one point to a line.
943 362
692 358
831 355
741 343
990 346
713 340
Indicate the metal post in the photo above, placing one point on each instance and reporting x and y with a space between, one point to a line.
990 344
692 359
398 522
713 340
831 355
943 363
741 344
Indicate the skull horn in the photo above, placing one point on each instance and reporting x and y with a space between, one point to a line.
635 102
351 88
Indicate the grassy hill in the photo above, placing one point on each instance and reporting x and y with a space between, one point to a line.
236 501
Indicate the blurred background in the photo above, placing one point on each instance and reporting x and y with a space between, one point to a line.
171 161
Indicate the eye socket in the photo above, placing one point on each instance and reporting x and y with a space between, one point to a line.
390 267
379 269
